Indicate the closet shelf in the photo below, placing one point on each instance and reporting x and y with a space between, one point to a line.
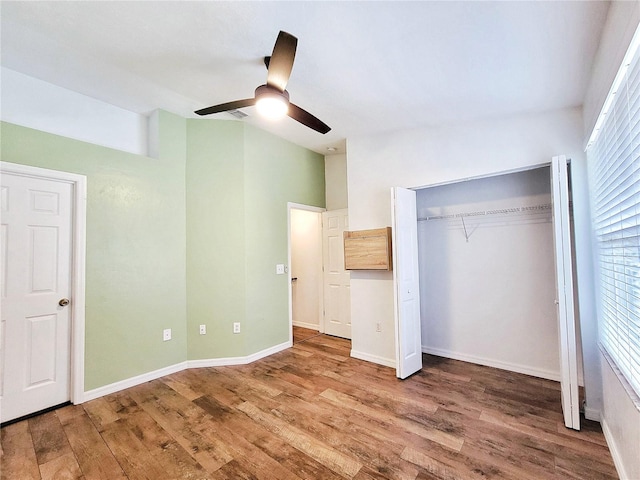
527 210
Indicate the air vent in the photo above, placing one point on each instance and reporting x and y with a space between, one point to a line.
238 114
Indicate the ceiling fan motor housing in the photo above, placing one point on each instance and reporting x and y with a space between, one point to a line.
271 102
265 91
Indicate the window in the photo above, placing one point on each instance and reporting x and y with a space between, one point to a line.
614 175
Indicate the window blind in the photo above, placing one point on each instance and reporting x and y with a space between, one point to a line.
614 177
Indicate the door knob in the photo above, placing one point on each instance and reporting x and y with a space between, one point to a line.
63 302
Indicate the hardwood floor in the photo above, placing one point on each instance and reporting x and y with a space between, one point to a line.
300 334
312 412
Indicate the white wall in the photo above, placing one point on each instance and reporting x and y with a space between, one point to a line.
621 423
335 178
492 278
433 156
36 104
306 266
620 414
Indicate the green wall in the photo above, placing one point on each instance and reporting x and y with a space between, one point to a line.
189 238
215 238
276 172
135 261
239 180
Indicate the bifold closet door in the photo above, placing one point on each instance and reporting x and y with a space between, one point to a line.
406 282
564 289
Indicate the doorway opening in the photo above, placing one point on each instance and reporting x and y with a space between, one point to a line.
305 272
319 285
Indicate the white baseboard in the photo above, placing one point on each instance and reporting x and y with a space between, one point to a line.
222 362
617 459
512 367
373 359
131 382
311 326
147 377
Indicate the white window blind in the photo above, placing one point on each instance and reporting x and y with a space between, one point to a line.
614 176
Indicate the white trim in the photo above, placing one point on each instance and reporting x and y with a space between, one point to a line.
615 454
178 367
396 299
133 381
309 208
488 362
387 362
78 269
79 221
302 206
222 362
310 326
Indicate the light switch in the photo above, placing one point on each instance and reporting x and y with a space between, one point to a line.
280 269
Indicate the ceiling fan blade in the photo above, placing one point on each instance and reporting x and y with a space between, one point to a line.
281 61
225 107
307 119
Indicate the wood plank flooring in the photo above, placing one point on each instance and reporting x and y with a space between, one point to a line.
312 412
300 334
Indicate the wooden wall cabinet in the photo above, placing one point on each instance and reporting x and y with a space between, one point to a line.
368 249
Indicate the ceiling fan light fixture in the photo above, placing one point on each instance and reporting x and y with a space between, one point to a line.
271 103
272 99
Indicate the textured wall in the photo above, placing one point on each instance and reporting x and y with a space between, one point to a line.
135 277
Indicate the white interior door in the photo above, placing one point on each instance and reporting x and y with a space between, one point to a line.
406 282
564 289
337 280
36 276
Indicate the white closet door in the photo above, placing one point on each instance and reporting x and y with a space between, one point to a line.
564 289
406 282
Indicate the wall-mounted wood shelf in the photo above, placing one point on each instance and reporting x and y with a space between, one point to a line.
368 249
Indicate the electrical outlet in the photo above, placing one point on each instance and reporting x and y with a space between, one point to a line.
378 327
280 269
166 334
236 327
203 329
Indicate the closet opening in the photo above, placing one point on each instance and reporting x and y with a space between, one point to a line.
487 273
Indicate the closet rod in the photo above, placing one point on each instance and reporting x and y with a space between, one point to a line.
528 210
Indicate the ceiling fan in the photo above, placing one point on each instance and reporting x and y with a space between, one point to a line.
271 99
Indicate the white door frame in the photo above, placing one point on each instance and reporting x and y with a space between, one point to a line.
78 252
309 208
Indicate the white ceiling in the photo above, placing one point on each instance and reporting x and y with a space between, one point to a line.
361 67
